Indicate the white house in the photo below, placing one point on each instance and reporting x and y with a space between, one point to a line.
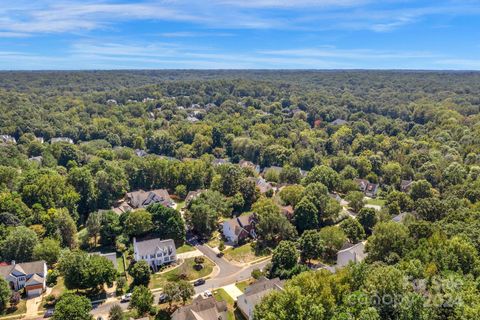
155 252
61 139
30 276
351 253
254 293
239 228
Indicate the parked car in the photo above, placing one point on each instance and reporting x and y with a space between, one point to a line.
220 254
163 298
126 297
199 282
49 313
207 294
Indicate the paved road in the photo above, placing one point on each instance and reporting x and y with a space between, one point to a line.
228 274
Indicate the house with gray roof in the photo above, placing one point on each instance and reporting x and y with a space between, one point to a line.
155 252
255 292
351 253
5 138
142 199
239 228
61 139
202 309
339 122
28 276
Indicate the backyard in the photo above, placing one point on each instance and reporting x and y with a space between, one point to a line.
244 254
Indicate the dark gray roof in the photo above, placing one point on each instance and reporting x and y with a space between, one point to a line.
148 246
202 309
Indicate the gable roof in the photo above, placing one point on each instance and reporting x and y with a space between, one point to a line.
152 245
141 199
202 309
26 268
256 291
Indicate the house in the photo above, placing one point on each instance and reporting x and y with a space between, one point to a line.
219 162
240 228
192 195
263 185
5 138
405 185
142 199
155 252
39 139
37 159
61 139
399 217
202 309
192 119
112 256
368 188
351 253
112 101
255 292
287 211
147 99
211 105
339 122
249 165
140 153
122 207
30 276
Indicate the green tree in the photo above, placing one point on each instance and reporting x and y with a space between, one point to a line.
19 244
142 299
94 225
326 175
272 226
82 180
310 245
72 307
355 200
333 239
285 257
138 222
167 223
116 313
305 216
48 250
421 189
353 229
367 218
291 195
66 228
140 272
185 290
110 228
388 243
4 293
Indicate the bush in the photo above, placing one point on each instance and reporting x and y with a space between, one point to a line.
121 281
221 246
257 273
52 277
199 260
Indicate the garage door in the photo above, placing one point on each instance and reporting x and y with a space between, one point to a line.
34 292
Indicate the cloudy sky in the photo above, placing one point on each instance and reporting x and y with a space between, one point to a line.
240 34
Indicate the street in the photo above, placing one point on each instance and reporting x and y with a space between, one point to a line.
228 274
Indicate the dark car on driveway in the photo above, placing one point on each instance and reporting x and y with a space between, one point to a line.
163 298
49 313
199 282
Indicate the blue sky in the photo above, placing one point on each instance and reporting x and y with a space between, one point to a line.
240 34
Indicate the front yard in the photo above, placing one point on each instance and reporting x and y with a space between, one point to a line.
185 271
10 313
244 254
375 202
185 248
233 313
242 285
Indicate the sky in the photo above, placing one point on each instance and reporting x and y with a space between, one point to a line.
239 34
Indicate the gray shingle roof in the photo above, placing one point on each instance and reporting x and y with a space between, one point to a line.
146 247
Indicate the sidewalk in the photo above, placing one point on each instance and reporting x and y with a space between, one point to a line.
233 291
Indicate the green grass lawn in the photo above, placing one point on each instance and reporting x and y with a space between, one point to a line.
20 309
243 254
376 202
180 205
120 265
185 271
242 285
214 240
185 248
233 313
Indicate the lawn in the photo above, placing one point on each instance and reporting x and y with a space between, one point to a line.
214 240
243 254
376 202
20 309
233 313
184 271
185 248
120 265
242 285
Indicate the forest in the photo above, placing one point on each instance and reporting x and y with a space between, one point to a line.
313 136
